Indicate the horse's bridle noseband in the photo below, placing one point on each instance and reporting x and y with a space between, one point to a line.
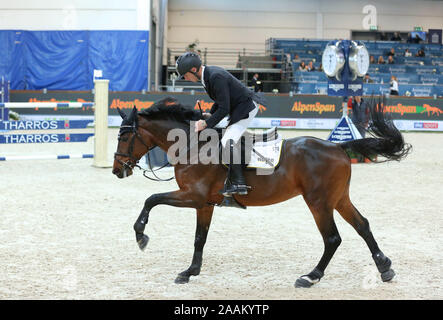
132 162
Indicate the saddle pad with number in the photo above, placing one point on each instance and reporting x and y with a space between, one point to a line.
266 154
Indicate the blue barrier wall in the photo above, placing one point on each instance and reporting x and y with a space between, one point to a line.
65 60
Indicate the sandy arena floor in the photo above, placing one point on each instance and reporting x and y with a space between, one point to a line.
66 233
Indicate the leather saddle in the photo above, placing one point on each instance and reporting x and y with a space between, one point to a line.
256 137
265 136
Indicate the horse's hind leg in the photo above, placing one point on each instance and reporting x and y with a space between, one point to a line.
361 225
323 215
204 217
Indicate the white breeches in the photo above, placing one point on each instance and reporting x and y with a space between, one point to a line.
236 130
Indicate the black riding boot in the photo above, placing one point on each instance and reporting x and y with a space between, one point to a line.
235 182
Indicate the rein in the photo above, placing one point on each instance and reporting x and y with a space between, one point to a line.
158 179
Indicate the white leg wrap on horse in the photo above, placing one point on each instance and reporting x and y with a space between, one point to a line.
310 280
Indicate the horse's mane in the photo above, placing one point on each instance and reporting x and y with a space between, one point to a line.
170 109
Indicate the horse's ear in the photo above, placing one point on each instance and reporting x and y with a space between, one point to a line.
122 114
133 116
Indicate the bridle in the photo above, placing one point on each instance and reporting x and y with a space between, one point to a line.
132 162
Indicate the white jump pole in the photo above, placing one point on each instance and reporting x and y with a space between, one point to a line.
101 88
46 105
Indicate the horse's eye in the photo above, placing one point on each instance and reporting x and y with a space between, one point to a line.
123 137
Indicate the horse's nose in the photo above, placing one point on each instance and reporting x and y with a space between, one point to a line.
116 171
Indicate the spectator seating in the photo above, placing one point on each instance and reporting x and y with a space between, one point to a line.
306 77
431 79
310 88
264 62
403 89
417 76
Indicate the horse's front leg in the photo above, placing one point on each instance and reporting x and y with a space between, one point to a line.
177 199
204 217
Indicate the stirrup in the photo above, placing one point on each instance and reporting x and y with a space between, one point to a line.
235 189
231 202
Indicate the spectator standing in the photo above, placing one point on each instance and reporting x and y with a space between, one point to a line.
360 114
288 59
257 84
360 118
297 58
288 67
416 39
396 37
274 65
393 89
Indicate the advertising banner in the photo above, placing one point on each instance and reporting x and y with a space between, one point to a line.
299 111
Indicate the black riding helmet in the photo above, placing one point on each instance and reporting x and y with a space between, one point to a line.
186 62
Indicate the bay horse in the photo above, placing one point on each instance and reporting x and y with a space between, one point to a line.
317 169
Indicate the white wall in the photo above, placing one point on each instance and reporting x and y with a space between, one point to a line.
225 24
75 14
248 23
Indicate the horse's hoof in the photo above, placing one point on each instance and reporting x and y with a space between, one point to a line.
143 242
305 282
181 279
387 275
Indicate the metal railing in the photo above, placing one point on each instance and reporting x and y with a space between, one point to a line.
240 62
226 58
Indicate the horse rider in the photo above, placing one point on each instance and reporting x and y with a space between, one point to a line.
231 98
